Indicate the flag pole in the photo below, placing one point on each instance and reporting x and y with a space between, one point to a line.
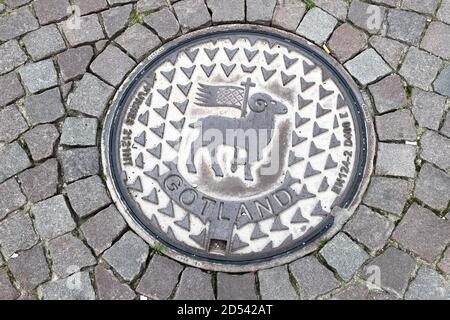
247 85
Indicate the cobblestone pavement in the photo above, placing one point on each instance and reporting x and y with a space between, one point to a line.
61 236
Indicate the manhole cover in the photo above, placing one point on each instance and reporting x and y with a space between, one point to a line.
233 145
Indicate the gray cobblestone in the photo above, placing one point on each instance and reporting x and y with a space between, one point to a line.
89 6
69 255
361 14
39 76
41 140
17 233
116 19
432 187
442 83
398 126
40 182
73 62
109 287
12 197
30 268
229 11
446 127
150 5
87 196
428 108
443 13
160 278
396 160
444 264
317 26
370 228
194 285
405 26
424 6
90 31
44 42
12 124
236 287
63 289
11 89
8 292
435 149
13 4
52 217
260 11
50 10
388 194
395 268
102 229
347 41
91 96
337 8
127 256
313 279
17 23
392 51
79 132
367 67
353 291
389 94
13 159
437 40
79 163
12 56
288 15
275 284
164 23
428 285
138 41
44 107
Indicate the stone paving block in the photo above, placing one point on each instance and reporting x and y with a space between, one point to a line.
150 5
392 51
109 287
8 292
127 256
50 10
337 8
288 15
394 268
432 187
236 287
12 124
91 96
396 160
405 26
422 232
17 233
44 42
12 56
388 194
90 6
420 68
428 108
17 23
74 62
39 76
30 268
138 41
352 291
13 159
11 89
78 131
446 126
398 126
368 67
87 196
65 289
44 107
423 6
194 285
317 26
116 19
227 11
40 182
90 31
313 278
443 13
442 83
344 256
160 278
437 40
102 229
13 4
164 23
193 14
362 15
275 284
389 94
112 65
79 163
69 255
12 197
428 285
369 228
41 140
346 42
52 217
435 149
444 264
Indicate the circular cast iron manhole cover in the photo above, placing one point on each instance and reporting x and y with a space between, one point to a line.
233 145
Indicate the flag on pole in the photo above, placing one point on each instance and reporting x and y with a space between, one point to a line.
220 96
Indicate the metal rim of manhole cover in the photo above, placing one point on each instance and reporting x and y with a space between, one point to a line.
237 147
